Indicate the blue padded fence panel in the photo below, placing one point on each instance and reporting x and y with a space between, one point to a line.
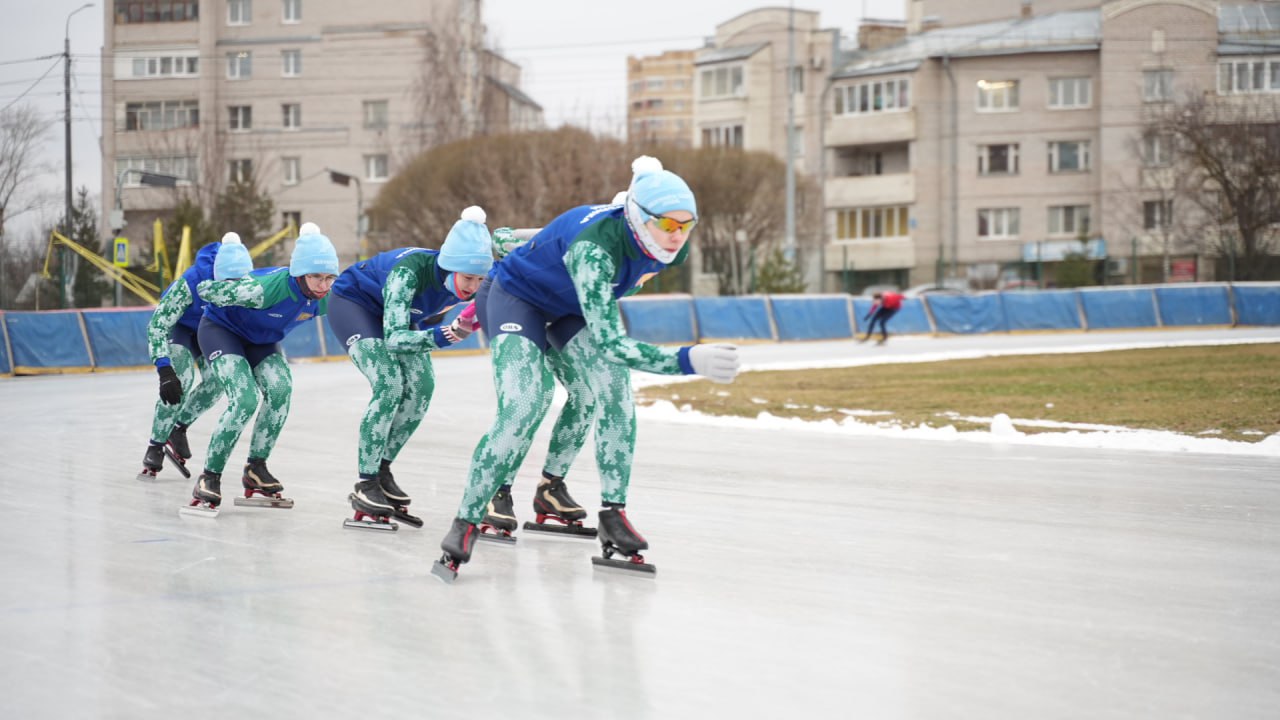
302 342
660 318
6 364
1118 308
733 317
1194 305
814 317
982 313
1042 310
118 337
1255 305
47 340
911 319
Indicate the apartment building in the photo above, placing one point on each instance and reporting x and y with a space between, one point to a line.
660 98
982 151
284 91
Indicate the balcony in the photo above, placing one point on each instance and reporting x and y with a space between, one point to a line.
871 254
870 190
870 128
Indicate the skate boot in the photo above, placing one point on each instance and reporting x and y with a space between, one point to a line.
373 510
617 535
553 502
178 441
396 498
457 546
258 481
206 497
152 461
500 521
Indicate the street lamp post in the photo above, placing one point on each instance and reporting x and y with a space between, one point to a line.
345 179
66 122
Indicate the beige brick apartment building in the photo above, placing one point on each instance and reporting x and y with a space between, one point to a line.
281 90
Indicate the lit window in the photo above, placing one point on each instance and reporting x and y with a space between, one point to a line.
997 95
871 223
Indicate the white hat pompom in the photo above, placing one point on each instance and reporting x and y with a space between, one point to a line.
309 228
474 214
620 198
231 239
645 165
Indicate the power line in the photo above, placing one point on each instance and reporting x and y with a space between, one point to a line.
24 94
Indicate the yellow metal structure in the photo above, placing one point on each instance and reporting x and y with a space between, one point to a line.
135 284
289 231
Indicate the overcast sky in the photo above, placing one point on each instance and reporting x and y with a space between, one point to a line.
573 53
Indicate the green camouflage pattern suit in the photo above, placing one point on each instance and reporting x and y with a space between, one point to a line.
196 399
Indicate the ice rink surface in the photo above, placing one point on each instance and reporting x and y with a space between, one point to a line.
800 574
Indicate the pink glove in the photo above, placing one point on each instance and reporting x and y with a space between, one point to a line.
465 323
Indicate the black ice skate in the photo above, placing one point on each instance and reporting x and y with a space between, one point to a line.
552 502
258 481
618 536
178 441
500 521
152 461
373 510
457 546
396 498
206 497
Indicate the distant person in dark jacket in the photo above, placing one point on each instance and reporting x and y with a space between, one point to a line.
886 305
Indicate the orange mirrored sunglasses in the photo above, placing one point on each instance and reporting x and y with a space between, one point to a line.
669 225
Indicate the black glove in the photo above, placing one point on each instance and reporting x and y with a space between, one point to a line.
170 385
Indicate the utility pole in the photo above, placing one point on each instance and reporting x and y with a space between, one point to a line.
790 247
66 125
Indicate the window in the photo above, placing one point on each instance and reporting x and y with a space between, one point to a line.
722 82
375 114
239 170
997 95
151 11
998 223
239 65
1157 85
292 116
1069 156
722 136
1249 76
291 169
239 12
375 167
875 96
290 63
1157 149
164 115
180 167
292 12
162 66
1069 93
1157 214
655 83
240 117
1070 220
872 222
998 159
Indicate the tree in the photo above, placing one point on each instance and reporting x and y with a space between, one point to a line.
89 286
1228 150
21 130
448 91
246 210
778 275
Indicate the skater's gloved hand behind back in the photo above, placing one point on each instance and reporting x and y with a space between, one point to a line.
466 322
170 385
717 363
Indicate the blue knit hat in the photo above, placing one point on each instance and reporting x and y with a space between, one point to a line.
232 260
659 191
468 247
313 253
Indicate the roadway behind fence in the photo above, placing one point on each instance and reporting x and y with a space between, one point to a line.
101 340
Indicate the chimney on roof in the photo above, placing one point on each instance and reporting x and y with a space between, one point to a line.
875 34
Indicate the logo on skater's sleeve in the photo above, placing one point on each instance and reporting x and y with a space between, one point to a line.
352 340
215 355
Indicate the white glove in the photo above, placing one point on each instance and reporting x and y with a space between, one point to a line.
717 363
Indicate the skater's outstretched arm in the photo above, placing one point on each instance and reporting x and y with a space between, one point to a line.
397 318
170 308
247 292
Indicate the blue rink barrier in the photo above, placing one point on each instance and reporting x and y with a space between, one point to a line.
60 341
911 319
1106 309
1257 303
812 317
734 318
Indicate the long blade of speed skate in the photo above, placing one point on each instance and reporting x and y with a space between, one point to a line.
641 569
577 531
176 461
200 511
445 573
265 502
406 518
